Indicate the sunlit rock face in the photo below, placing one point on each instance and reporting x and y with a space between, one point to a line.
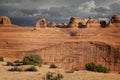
115 21
38 23
66 45
75 55
4 20
93 23
76 22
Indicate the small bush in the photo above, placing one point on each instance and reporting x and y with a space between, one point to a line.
91 66
10 64
53 76
15 69
53 66
31 69
97 68
32 60
1 59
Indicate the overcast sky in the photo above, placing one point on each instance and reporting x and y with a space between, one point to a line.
26 12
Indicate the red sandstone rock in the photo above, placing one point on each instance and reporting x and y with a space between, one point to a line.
57 46
38 25
93 23
4 20
76 22
115 21
51 24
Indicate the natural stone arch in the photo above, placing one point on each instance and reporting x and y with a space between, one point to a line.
76 22
38 25
4 20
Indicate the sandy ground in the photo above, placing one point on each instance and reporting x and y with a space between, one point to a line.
77 75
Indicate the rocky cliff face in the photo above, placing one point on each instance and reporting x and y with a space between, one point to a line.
75 55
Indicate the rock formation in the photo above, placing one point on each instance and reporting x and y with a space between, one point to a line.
93 23
115 21
51 24
58 46
63 25
41 22
78 54
4 20
103 23
75 55
76 22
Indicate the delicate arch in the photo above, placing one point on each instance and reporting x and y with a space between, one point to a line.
38 25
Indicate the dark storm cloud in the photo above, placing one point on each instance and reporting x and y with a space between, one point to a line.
114 9
26 12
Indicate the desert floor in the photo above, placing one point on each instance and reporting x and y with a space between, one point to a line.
77 75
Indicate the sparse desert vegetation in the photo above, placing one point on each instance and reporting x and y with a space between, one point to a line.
17 74
53 76
96 67
32 60
1 59
53 66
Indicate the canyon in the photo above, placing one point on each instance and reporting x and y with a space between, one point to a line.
70 47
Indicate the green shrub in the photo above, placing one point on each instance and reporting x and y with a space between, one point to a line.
32 60
97 68
32 68
1 59
15 69
53 76
91 66
53 66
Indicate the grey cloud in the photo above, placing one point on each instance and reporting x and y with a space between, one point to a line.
27 11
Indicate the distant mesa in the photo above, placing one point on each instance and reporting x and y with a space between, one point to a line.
4 20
